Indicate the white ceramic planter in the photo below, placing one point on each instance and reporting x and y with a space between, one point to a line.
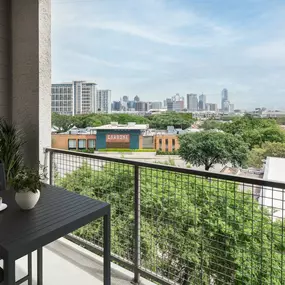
27 200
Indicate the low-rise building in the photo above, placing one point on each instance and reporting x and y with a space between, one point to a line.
69 141
166 142
115 135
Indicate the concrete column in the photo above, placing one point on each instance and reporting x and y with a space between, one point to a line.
5 105
31 74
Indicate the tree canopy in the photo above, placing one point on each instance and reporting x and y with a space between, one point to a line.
178 120
259 154
160 121
255 131
211 125
193 230
62 123
211 147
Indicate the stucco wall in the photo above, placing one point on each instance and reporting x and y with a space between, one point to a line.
4 59
31 74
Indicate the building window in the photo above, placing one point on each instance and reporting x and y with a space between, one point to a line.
71 144
166 144
173 144
160 144
81 144
91 144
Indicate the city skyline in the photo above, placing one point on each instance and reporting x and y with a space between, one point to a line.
206 46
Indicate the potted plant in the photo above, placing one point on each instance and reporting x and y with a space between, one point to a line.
27 184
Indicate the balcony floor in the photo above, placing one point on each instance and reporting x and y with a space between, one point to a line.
68 264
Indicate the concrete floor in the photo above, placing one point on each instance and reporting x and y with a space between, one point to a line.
68 264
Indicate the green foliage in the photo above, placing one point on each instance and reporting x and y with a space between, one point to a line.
280 120
178 120
125 150
209 147
268 149
255 131
11 143
193 230
174 152
211 125
28 179
62 123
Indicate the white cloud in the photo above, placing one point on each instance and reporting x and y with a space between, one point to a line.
155 48
274 50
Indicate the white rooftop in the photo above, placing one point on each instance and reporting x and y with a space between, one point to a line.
273 197
274 169
129 126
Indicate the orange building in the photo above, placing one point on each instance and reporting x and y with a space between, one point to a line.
73 141
162 141
166 142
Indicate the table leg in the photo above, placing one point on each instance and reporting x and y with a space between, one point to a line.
107 250
9 271
30 272
40 266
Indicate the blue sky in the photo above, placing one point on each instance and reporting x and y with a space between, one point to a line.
156 48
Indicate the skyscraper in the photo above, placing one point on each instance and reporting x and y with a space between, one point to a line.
136 98
211 107
202 102
103 100
156 105
125 98
142 106
225 99
176 103
77 97
116 106
192 102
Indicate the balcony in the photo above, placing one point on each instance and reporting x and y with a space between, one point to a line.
169 225
68 263
179 226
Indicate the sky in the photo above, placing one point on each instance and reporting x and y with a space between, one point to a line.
157 48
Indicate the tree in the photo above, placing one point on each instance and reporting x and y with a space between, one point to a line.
255 131
62 123
210 147
259 154
178 120
211 125
192 230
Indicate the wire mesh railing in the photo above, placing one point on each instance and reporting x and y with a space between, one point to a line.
181 226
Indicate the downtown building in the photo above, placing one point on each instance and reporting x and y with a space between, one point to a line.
141 106
192 102
72 98
202 102
103 101
176 103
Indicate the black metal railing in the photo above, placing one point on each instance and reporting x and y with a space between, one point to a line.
180 226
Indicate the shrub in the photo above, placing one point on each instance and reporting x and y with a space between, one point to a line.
174 152
125 150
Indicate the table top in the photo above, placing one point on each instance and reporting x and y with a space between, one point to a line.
57 213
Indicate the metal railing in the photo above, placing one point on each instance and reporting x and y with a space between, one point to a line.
180 226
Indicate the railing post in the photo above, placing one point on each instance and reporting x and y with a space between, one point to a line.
137 204
51 167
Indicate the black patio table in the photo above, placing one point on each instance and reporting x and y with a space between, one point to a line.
58 213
